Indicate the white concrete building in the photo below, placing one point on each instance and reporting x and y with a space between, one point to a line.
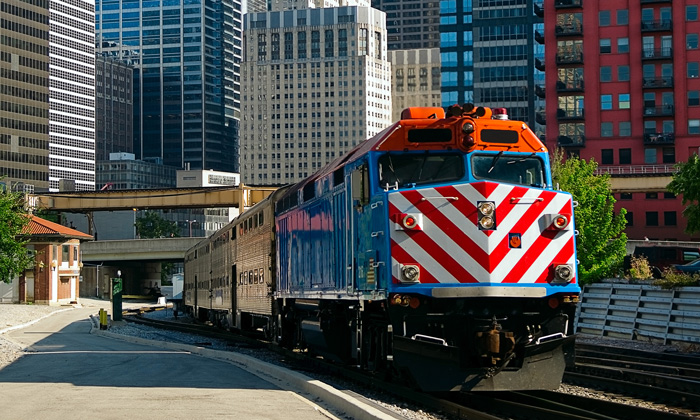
317 82
72 95
415 79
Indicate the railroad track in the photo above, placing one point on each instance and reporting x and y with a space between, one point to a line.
475 406
669 378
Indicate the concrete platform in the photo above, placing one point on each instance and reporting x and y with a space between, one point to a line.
77 371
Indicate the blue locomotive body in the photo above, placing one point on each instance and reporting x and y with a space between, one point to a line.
436 251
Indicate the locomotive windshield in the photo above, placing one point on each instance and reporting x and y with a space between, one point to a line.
400 170
514 169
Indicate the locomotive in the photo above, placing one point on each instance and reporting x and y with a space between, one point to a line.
437 251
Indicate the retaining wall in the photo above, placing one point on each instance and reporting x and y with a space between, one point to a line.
640 312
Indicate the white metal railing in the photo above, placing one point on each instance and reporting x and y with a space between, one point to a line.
637 170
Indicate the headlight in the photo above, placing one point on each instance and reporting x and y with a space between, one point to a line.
487 214
563 273
486 222
486 208
410 273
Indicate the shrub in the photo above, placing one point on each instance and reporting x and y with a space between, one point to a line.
672 279
640 268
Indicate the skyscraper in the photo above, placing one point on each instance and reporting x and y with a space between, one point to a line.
503 58
72 95
488 50
24 84
114 107
411 24
187 58
317 83
641 96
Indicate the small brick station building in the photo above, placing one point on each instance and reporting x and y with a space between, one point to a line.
54 278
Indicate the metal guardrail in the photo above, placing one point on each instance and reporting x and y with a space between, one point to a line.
637 170
640 312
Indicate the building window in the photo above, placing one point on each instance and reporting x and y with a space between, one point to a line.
691 41
625 156
623 45
693 126
605 46
650 155
624 100
604 18
693 70
652 218
605 101
668 155
606 129
606 74
669 195
301 45
693 98
625 196
329 44
606 156
448 39
315 44
622 17
652 196
691 13
623 73
625 128
670 218
630 218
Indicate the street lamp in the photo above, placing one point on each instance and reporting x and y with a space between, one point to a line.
190 223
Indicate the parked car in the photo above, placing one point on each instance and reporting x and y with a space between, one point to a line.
691 267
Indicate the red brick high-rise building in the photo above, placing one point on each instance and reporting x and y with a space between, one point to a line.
623 87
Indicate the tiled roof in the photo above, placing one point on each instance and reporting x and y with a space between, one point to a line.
39 226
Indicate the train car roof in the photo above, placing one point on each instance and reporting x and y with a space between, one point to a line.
434 117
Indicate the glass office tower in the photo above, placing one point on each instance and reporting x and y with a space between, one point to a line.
186 55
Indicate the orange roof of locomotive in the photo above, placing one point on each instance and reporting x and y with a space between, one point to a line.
388 140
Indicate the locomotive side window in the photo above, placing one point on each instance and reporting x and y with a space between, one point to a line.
514 169
360 186
419 168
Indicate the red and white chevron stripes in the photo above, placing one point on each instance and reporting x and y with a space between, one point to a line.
450 247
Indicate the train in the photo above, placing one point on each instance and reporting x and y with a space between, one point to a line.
437 252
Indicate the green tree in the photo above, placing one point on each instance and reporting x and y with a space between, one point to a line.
14 258
601 242
152 225
686 182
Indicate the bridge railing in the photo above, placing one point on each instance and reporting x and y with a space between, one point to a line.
630 170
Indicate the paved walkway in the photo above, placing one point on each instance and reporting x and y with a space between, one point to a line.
76 371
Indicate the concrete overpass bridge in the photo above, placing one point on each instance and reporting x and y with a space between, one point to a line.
139 260
241 196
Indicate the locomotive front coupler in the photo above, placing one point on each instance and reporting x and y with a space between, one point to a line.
494 345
